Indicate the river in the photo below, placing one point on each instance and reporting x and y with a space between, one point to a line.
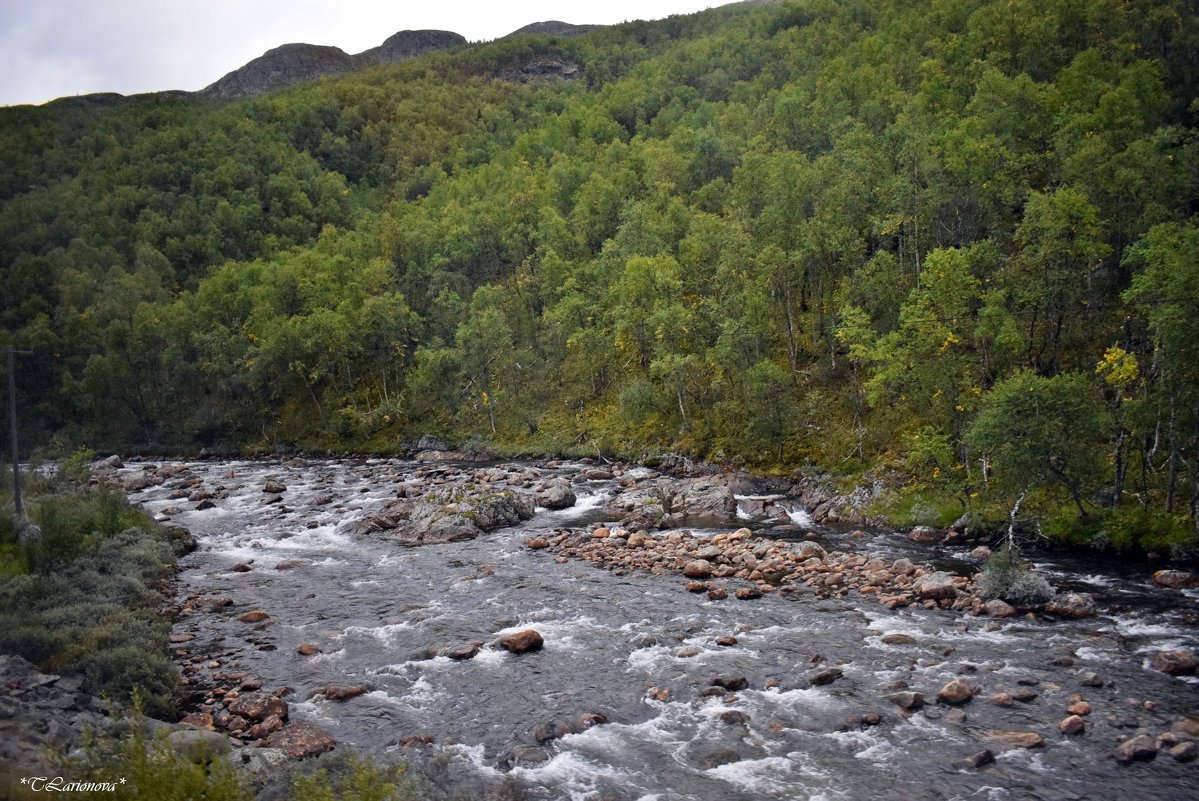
641 651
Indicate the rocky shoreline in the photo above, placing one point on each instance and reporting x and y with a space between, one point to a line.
440 500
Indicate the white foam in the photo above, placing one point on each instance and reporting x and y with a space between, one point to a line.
801 517
383 634
573 774
773 776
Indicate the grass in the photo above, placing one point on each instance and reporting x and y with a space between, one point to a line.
84 597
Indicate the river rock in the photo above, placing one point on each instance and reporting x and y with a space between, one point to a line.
906 700
937 586
734 717
727 682
256 616
1072 725
557 495
258 706
748 593
822 676
808 550
1140 748
300 740
450 514
926 535
1184 752
702 499
697 568
292 564
1071 604
984 757
205 504
308 649
897 639
999 608
340 692
1178 662
1018 739
462 651
273 487
1176 579
537 543
522 642
522 755
955 692
717 594
710 553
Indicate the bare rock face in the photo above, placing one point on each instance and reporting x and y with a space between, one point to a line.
281 67
553 28
410 44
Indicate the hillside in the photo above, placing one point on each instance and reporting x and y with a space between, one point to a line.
954 241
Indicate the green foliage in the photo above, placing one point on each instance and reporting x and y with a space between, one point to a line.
355 779
1042 432
772 233
81 598
1005 577
144 766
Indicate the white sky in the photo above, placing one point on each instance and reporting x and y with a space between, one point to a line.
55 48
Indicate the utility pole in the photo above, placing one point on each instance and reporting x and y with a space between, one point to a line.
12 421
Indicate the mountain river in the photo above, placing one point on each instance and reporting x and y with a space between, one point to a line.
641 650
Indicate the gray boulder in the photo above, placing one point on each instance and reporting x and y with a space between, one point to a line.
557 495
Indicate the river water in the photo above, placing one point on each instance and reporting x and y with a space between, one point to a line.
641 651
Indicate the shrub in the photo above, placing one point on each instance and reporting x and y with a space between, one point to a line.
1004 577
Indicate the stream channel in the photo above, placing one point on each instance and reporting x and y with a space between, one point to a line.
613 642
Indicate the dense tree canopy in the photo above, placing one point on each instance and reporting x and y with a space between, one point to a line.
833 232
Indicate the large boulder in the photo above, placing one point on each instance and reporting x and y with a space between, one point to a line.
1071 604
557 495
937 586
1176 579
703 499
450 514
522 642
299 740
1178 662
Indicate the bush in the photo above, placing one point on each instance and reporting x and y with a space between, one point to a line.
81 598
1004 577
141 767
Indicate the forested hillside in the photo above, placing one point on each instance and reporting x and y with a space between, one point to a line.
955 240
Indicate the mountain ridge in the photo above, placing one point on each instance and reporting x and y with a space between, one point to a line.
300 62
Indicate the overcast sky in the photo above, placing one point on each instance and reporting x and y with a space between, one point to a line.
55 48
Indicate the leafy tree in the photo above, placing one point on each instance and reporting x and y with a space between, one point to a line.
1042 432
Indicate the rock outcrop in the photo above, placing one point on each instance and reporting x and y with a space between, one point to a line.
553 28
281 67
452 514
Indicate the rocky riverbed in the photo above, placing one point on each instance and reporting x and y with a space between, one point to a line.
601 631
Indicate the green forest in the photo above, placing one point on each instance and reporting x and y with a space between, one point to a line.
951 242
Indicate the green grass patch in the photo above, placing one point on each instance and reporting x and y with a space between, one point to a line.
918 508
